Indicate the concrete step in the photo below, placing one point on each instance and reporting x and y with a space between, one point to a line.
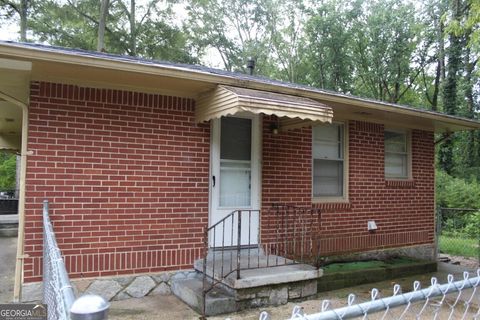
190 291
257 269
8 225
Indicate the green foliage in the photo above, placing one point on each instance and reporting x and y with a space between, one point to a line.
74 24
388 51
472 225
330 38
236 30
454 192
460 229
7 171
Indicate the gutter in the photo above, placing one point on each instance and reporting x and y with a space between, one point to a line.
21 201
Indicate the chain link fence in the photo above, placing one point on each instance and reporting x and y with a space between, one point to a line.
452 300
458 234
58 293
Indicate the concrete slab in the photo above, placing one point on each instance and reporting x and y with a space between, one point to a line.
8 225
272 276
8 218
8 250
257 269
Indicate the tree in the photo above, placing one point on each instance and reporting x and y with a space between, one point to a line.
22 8
450 96
235 29
330 38
288 45
434 12
101 25
147 31
387 49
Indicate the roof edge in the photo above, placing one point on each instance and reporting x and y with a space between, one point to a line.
210 75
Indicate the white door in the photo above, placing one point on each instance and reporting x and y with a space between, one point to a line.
235 180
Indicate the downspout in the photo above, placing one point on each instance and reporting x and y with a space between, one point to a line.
21 201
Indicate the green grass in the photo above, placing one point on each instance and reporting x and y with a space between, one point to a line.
459 246
362 265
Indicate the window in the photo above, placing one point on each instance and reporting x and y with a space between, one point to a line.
235 162
397 155
329 161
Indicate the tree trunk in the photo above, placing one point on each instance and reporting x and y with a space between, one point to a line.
101 25
441 55
450 89
440 70
436 86
133 31
472 154
23 19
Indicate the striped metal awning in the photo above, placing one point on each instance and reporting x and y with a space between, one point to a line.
293 111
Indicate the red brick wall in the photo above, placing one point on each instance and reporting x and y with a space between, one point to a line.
402 210
126 175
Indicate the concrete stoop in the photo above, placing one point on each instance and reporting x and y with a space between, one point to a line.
259 287
190 291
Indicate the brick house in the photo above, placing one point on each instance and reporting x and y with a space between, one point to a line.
138 157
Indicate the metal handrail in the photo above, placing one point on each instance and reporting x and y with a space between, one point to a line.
222 220
290 241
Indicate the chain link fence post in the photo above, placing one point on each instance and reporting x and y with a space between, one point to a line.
58 292
438 231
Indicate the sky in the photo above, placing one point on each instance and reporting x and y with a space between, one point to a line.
9 31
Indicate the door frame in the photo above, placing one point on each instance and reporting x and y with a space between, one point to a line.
256 165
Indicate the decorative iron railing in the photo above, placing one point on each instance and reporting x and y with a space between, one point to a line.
232 244
295 234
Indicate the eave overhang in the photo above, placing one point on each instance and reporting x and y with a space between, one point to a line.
110 71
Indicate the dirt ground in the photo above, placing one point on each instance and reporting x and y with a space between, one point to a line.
470 263
169 307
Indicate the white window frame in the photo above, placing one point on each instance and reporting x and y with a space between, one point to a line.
344 197
408 141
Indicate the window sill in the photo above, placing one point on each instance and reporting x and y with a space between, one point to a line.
331 204
400 183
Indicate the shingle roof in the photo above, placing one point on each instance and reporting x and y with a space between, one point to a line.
213 71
